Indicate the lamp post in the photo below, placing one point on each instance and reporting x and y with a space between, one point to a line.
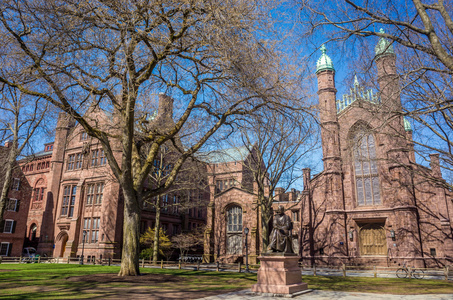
246 231
83 246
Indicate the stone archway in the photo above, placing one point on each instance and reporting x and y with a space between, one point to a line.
60 244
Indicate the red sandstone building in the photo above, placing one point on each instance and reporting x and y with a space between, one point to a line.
372 203
13 226
74 199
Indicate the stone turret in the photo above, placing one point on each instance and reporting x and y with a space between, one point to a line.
328 112
387 76
165 110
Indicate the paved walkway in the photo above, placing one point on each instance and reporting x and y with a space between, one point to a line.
328 295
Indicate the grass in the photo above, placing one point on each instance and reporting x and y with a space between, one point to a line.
379 285
62 281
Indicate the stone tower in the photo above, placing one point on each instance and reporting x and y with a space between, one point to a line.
330 129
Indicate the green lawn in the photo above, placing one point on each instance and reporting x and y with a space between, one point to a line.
62 281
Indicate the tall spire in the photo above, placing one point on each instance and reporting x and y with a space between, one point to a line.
356 82
324 62
384 46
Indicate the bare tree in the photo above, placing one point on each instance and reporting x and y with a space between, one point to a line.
206 54
20 117
188 241
279 142
185 193
422 34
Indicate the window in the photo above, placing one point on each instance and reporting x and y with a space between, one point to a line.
366 171
86 229
16 184
70 165
9 226
175 204
38 194
432 252
234 230
41 195
156 165
167 169
91 230
69 194
83 136
224 184
90 194
165 203
78 161
12 205
98 158
102 158
99 192
295 215
5 249
95 230
94 193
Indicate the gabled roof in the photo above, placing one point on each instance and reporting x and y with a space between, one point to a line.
225 155
233 188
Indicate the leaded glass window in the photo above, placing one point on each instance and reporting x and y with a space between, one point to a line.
366 170
234 230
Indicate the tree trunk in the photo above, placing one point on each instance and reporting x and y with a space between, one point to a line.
157 230
8 178
131 235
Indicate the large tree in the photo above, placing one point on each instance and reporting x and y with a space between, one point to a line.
206 54
421 34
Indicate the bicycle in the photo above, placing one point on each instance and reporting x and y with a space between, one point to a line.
414 273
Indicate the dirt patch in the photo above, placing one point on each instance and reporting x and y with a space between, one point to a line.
3 270
144 278
146 286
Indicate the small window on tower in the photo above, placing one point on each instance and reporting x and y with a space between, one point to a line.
432 251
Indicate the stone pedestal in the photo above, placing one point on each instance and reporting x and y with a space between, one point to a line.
279 274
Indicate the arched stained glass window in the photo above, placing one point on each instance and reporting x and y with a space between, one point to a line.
366 170
234 230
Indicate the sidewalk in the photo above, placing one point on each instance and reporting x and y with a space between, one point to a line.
328 295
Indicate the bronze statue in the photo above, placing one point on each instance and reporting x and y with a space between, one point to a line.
280 238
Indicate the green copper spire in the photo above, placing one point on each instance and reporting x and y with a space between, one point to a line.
407 125
384 46
324 62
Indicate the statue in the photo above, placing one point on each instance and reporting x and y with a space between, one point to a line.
280 238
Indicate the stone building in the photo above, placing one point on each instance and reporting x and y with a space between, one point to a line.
76 201
372 203
233 207
13 226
